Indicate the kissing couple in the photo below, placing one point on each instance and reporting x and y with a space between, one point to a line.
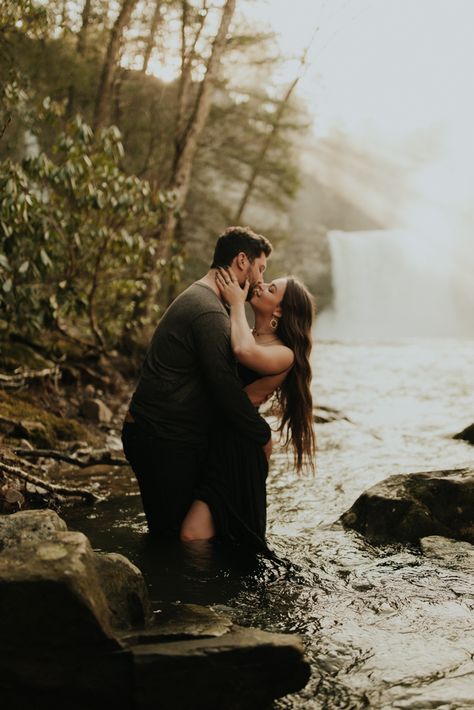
193 434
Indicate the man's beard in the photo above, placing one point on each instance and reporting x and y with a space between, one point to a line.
251 287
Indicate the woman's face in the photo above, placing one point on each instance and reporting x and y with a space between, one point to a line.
267 297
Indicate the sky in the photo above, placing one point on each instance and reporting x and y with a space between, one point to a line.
389 66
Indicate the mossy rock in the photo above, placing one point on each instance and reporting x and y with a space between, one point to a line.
14 355
54 429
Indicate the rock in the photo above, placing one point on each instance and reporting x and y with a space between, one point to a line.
11 499
326 415
35 432
243 669
29 526
125 591
96 411
183 621
466 434
408 507
89 391
53 595
61 648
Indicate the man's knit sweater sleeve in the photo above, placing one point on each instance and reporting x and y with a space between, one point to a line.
211 334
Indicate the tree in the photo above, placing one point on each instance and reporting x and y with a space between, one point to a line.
73 240
186 145
150 41
82 36
110 63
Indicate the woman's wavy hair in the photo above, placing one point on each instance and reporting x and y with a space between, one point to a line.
294 397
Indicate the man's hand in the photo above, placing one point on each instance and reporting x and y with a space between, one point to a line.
267 449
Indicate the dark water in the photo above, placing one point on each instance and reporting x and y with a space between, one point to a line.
386 627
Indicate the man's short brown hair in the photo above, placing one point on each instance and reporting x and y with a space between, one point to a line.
236 239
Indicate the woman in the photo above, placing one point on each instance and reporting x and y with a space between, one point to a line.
273 357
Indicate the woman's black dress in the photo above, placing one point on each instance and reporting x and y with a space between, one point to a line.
234 484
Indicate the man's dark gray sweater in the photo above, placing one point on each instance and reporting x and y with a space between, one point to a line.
189 374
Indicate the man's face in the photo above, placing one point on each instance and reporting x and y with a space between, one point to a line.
255 273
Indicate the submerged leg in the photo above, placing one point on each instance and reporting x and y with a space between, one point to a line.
198 523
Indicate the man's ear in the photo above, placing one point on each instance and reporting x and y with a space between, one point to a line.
240 261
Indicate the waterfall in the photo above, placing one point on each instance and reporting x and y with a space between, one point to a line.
393 284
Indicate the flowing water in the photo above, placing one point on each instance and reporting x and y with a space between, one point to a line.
384 627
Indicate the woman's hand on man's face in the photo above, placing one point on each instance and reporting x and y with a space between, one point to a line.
229 287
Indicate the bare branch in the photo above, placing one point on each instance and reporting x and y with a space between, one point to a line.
81 458
51 487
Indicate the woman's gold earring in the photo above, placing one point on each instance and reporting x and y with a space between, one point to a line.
274 323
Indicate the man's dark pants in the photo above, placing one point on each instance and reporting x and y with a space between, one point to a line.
167 473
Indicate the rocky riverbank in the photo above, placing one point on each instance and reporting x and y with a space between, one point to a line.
80 632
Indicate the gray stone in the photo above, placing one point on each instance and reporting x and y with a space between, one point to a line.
29 526
466 434
242 670
53 595
408 507
62 608
180 622
125 591
96 411
34 431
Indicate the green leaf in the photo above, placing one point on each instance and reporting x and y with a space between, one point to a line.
24 267
45 258
7 285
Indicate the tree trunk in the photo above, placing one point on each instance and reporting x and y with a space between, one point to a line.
155 21
263 152
64 17
186 150
81 50
110 63
83 32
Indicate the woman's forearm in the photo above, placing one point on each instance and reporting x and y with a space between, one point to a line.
241 337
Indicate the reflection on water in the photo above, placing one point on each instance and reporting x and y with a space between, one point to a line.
385 627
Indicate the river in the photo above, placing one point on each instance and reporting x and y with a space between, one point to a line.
384 627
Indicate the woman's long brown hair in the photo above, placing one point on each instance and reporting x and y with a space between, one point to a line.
294 396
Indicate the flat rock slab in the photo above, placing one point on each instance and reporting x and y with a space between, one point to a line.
408 507
240 670
181 622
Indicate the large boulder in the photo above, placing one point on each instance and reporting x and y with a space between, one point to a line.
242 669
408 507
125 591
466 434
77 631
52 591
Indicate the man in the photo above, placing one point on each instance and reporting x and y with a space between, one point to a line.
189 376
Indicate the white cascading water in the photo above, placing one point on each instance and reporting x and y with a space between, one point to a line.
394 284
